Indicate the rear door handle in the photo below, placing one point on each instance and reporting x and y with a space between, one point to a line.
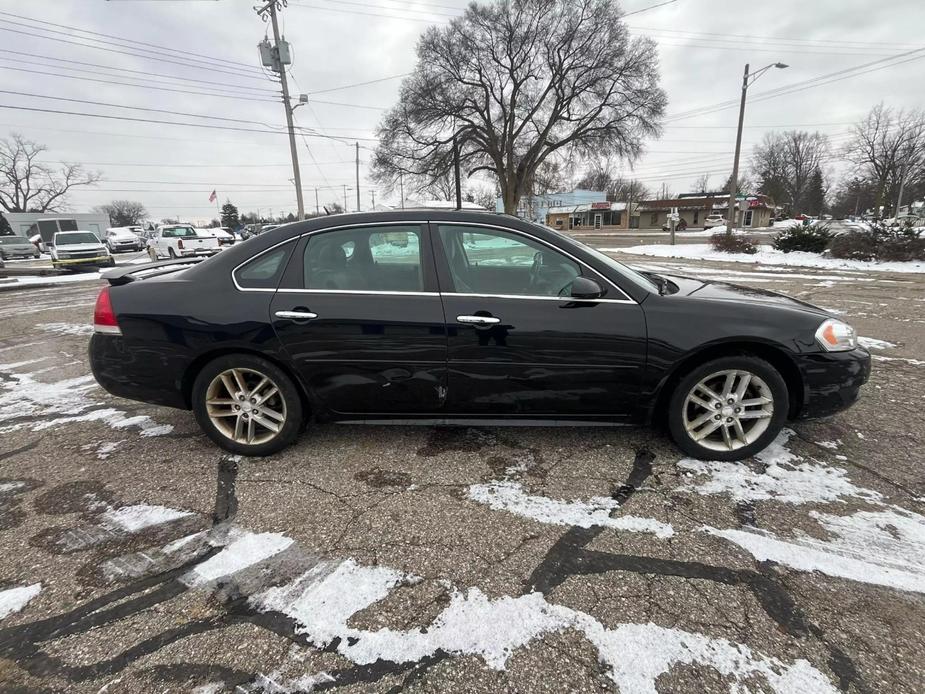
296 315
478 320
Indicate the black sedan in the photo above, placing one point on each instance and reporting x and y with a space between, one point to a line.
464 318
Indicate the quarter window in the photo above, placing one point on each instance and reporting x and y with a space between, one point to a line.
383 259
264 271
498 262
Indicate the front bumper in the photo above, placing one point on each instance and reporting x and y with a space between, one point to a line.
95 261
832 381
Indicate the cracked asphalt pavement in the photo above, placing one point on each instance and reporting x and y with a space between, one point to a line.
137 557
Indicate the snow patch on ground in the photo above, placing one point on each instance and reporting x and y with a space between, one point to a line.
14 599
767 256
874 343
510 496
135 518
913 362
324 599
66 328
61 402
787 478
244 549
884 548
11 486
274 684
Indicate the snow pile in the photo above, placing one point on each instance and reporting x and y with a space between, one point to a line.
786 479
324 599
884 548
14 599
510 496
66 328
135 518
244 549
768 256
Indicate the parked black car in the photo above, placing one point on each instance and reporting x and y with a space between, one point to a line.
462 317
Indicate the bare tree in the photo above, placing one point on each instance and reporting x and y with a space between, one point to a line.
617 188
442 187
786 163
26 185
124 213
701 184
517 81
889 148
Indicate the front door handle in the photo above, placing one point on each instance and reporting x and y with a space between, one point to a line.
478 320
296 315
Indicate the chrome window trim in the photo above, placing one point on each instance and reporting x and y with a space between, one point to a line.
627 300
234 270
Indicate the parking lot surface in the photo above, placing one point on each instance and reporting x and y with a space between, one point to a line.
139 558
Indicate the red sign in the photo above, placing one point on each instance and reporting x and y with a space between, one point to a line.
600 205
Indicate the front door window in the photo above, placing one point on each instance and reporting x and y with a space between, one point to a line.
500 263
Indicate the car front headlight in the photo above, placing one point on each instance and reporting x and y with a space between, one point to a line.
836 336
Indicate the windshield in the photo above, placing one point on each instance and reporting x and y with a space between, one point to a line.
76 237
13 240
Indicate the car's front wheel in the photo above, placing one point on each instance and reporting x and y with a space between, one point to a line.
728 409
247 405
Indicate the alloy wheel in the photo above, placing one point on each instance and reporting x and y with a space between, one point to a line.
728 410
246 406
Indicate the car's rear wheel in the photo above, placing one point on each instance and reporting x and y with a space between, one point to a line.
247 405
728 409
171 252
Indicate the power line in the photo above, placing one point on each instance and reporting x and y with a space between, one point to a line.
140 86
147 74
771 37
359 84
650 7
132 42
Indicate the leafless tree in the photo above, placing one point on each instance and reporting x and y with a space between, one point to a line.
603 176
701 184
888 147
124 213
27 185
517 81
785 164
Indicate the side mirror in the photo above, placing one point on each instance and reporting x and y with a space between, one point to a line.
586 288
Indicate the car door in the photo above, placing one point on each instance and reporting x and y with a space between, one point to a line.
518 344
361 318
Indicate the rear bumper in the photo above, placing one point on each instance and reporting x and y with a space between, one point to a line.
832 381
123 373
97 261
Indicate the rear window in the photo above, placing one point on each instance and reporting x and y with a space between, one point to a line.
264 271
13 240
178 232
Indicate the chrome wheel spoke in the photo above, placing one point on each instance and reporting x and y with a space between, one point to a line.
700 421
702 387
740 432
752 402
703 403
728 410
744 381
730 382
706 431
756 414
228 406
727 437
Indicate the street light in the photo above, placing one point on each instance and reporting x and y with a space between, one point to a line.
747 81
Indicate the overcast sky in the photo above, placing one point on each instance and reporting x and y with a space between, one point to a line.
703 45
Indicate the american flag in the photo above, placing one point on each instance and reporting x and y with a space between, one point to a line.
213 197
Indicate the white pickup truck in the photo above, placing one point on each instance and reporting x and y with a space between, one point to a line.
180 241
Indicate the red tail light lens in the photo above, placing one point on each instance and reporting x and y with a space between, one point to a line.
180 243
104 318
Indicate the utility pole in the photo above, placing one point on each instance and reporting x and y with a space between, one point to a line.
372 193
457 182
278 64
345 197
401 185
317 207
747 79
902 189
358 175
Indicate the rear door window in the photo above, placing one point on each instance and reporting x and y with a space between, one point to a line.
264 271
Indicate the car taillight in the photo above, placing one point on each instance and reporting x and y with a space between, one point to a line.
180 243
104 318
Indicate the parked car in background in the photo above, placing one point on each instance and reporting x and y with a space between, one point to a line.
181 241
224 236
459 317
714 220
120 239
75 250
12 247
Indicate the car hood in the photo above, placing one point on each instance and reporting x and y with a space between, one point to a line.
689 287
18 247
71 247
123 237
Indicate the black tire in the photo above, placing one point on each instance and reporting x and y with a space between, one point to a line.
171 253
753 365
288 394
